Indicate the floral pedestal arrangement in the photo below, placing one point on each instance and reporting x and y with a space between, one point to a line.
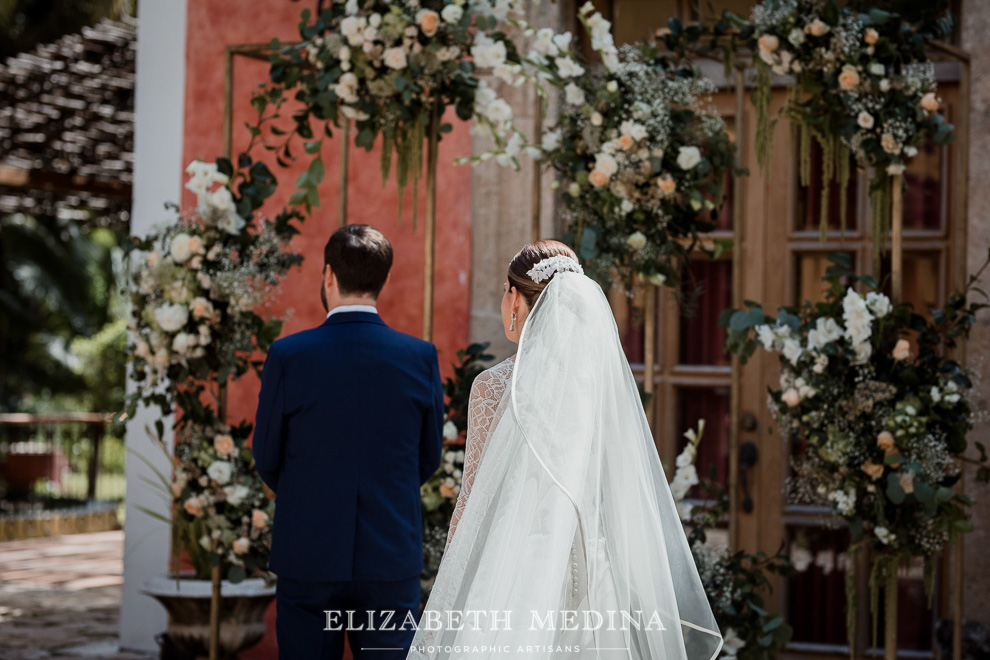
242 617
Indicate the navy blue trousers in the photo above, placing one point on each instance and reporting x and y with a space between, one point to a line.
314 617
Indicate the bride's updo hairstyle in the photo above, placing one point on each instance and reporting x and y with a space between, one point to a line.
528 257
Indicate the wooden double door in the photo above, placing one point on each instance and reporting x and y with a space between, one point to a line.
780 259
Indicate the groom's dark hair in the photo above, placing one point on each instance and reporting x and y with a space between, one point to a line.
360 257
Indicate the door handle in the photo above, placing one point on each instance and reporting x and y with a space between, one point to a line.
747 459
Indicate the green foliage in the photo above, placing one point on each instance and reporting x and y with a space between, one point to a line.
58 287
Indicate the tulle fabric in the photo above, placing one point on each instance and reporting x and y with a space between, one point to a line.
569 545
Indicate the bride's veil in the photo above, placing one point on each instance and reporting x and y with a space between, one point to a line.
572 457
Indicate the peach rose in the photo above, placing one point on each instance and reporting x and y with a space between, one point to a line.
871 36
902 350
873 469
929 102
816 28
259 519
906 479
242 545
769 43
428 21
224 444
196 245
626 142
201 308
446 490
886 441
193 506
849 77
889 144
667 184
791 397
598 178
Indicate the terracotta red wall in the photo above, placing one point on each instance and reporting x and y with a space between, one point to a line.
212 24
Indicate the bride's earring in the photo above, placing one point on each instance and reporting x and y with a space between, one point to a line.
512 326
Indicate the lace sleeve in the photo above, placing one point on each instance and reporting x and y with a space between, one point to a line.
486 392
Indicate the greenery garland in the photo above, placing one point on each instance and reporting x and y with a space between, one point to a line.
863 85
391 69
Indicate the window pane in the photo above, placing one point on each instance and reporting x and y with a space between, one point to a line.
702 342
816 593
924 204
809 198
712 405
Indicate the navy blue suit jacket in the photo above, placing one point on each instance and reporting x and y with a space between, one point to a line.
349 425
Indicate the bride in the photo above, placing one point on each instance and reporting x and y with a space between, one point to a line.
565 540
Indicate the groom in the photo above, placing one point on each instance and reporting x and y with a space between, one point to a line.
349 426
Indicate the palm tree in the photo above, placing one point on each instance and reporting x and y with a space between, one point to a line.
57 284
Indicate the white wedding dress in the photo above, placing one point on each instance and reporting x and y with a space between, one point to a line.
565 540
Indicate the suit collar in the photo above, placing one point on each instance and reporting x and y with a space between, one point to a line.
354 317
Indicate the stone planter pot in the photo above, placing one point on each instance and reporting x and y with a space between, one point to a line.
242 613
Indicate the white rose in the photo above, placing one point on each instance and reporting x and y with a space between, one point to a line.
793 350
636 240
686 457
236 494
610 58
544 45
612 86
499 111
878 303
183 342
885 85
877 69
450 431
346 88
568 68
796 36
910 151
597 119
551 140
231 223
180 248
606 164
395 58
865 120
884 535
171 318
633 129
353 28
688 157
863 352
220 472
452 13
574 94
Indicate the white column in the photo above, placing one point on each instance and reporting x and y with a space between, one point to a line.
160 91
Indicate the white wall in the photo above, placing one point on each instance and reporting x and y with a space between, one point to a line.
161 57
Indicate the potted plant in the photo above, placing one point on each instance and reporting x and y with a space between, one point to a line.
221 516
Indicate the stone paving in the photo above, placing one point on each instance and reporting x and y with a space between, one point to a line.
60 597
